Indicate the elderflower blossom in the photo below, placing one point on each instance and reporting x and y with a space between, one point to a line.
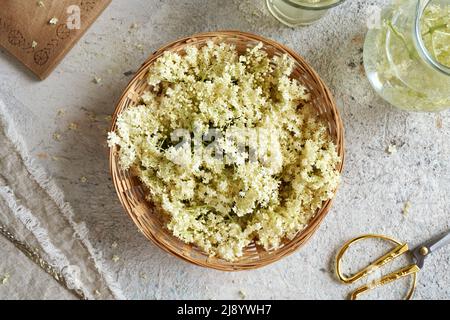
223 202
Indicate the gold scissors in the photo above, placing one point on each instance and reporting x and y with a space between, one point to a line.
418 255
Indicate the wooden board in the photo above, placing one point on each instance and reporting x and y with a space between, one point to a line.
26 33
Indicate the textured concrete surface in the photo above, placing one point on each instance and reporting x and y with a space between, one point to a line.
376 185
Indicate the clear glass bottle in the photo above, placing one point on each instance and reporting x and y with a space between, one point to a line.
295 13
404 55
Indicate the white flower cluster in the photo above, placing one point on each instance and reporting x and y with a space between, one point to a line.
222 204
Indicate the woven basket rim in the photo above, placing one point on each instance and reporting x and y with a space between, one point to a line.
304 235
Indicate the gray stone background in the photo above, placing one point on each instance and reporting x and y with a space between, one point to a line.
375 187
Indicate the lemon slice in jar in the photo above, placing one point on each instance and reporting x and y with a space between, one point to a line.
440 41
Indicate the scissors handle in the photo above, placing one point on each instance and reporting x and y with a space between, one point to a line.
388 257
396 275
398 250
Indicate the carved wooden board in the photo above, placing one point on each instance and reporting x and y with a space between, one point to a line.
26 31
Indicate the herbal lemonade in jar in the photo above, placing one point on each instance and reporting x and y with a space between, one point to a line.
407 55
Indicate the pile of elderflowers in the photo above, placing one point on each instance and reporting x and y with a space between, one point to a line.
227 146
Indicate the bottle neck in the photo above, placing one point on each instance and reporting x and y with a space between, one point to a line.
323 5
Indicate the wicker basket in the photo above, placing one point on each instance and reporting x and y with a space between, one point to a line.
132 194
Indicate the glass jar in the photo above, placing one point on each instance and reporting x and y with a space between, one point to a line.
295 13
404 54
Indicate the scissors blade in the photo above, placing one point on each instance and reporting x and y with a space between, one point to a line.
440 242
422 251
